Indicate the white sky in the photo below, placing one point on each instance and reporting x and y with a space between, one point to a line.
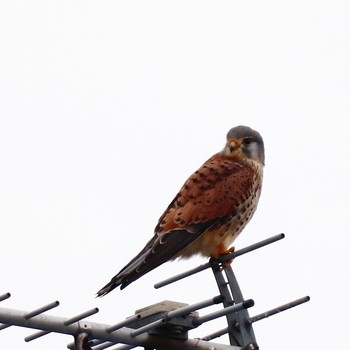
108 106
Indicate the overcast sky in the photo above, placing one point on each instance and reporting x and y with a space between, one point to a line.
106 107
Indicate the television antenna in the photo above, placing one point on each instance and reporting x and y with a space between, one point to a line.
162 326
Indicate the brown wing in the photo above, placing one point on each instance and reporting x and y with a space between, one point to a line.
213 192
209 197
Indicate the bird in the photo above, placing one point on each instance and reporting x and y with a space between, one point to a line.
210 210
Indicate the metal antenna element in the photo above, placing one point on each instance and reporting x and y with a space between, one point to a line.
81 316
5 296
216 334
222 259
164 325
223 312
276 310
41 310
124 323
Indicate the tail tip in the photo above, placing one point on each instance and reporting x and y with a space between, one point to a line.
106 289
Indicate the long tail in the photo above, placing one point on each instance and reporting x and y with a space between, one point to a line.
156 252
129 272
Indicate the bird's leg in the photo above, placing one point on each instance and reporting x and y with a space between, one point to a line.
222 250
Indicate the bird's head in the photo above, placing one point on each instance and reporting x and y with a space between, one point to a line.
244 142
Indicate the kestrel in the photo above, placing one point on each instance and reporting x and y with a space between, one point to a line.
210 210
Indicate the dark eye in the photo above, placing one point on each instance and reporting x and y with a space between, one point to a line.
247 141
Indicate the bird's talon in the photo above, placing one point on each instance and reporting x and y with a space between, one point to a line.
222 250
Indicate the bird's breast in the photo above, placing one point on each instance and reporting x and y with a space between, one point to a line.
227 228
